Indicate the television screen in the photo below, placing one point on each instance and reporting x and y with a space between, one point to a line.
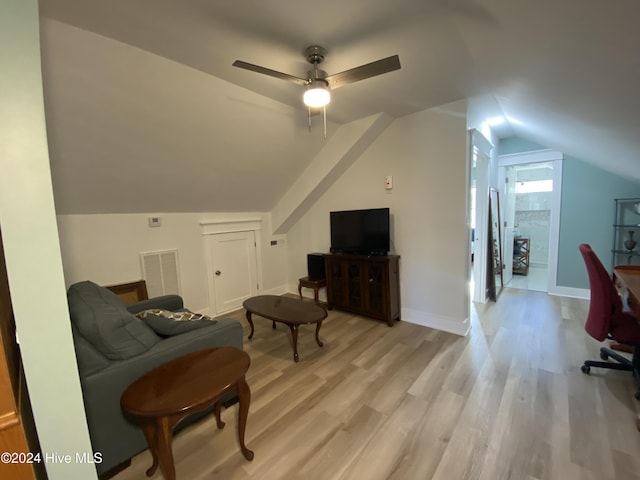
364 232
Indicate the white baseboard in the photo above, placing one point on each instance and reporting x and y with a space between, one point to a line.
417 317
308 292
447 324
583 293
279 290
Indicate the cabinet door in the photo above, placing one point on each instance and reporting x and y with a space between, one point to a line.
336 284
355 278
376 274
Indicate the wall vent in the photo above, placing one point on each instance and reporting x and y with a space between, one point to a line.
160 271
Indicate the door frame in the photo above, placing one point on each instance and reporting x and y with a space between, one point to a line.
508 215
215 227
556 158
478 142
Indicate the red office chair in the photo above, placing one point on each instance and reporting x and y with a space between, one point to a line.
606 319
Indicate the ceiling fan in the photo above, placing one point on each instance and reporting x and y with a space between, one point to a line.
318 84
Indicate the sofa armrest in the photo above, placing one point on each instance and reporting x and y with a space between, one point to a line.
164 302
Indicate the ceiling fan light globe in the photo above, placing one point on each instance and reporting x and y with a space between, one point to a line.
317 97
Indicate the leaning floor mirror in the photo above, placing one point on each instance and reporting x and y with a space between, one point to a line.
494 250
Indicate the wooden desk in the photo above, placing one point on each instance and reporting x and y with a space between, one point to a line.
628 277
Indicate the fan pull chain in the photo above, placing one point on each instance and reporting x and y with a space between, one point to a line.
324 115
324 111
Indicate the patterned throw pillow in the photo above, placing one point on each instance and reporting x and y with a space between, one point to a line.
179 316
167 323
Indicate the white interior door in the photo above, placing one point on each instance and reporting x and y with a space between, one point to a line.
232 269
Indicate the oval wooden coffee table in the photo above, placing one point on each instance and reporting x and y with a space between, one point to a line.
162 397
290 311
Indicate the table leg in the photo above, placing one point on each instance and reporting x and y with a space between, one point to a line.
250 323
219 422
318 332
315 295
300 290
294 335
244 398
149 430
159 433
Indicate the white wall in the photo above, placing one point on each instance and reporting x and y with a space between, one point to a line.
426 154
30 237
105 249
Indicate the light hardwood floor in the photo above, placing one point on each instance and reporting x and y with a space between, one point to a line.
506 402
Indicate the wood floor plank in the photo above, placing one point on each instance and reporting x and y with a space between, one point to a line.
345 446
392 437
392 390
469 444
506 402
425 449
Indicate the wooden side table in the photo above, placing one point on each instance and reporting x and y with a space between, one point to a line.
315 284
162 397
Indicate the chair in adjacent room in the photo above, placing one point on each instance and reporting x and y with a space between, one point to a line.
608 320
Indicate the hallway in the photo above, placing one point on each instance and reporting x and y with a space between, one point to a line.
536 279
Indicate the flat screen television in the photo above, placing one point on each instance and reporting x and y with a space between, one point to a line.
362 232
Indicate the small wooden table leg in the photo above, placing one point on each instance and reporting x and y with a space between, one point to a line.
149 430
300 289
250 323
294 335
159 439
219 423
318 332
244 398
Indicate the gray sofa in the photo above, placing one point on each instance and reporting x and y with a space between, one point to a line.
114 348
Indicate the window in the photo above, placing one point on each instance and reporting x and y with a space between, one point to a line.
534 186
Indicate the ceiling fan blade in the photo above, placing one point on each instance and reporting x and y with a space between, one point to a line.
362 72
271 73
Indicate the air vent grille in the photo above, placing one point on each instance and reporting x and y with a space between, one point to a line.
161 272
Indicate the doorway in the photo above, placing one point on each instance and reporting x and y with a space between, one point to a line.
531 219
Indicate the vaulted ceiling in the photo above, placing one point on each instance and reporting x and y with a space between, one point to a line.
146 113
